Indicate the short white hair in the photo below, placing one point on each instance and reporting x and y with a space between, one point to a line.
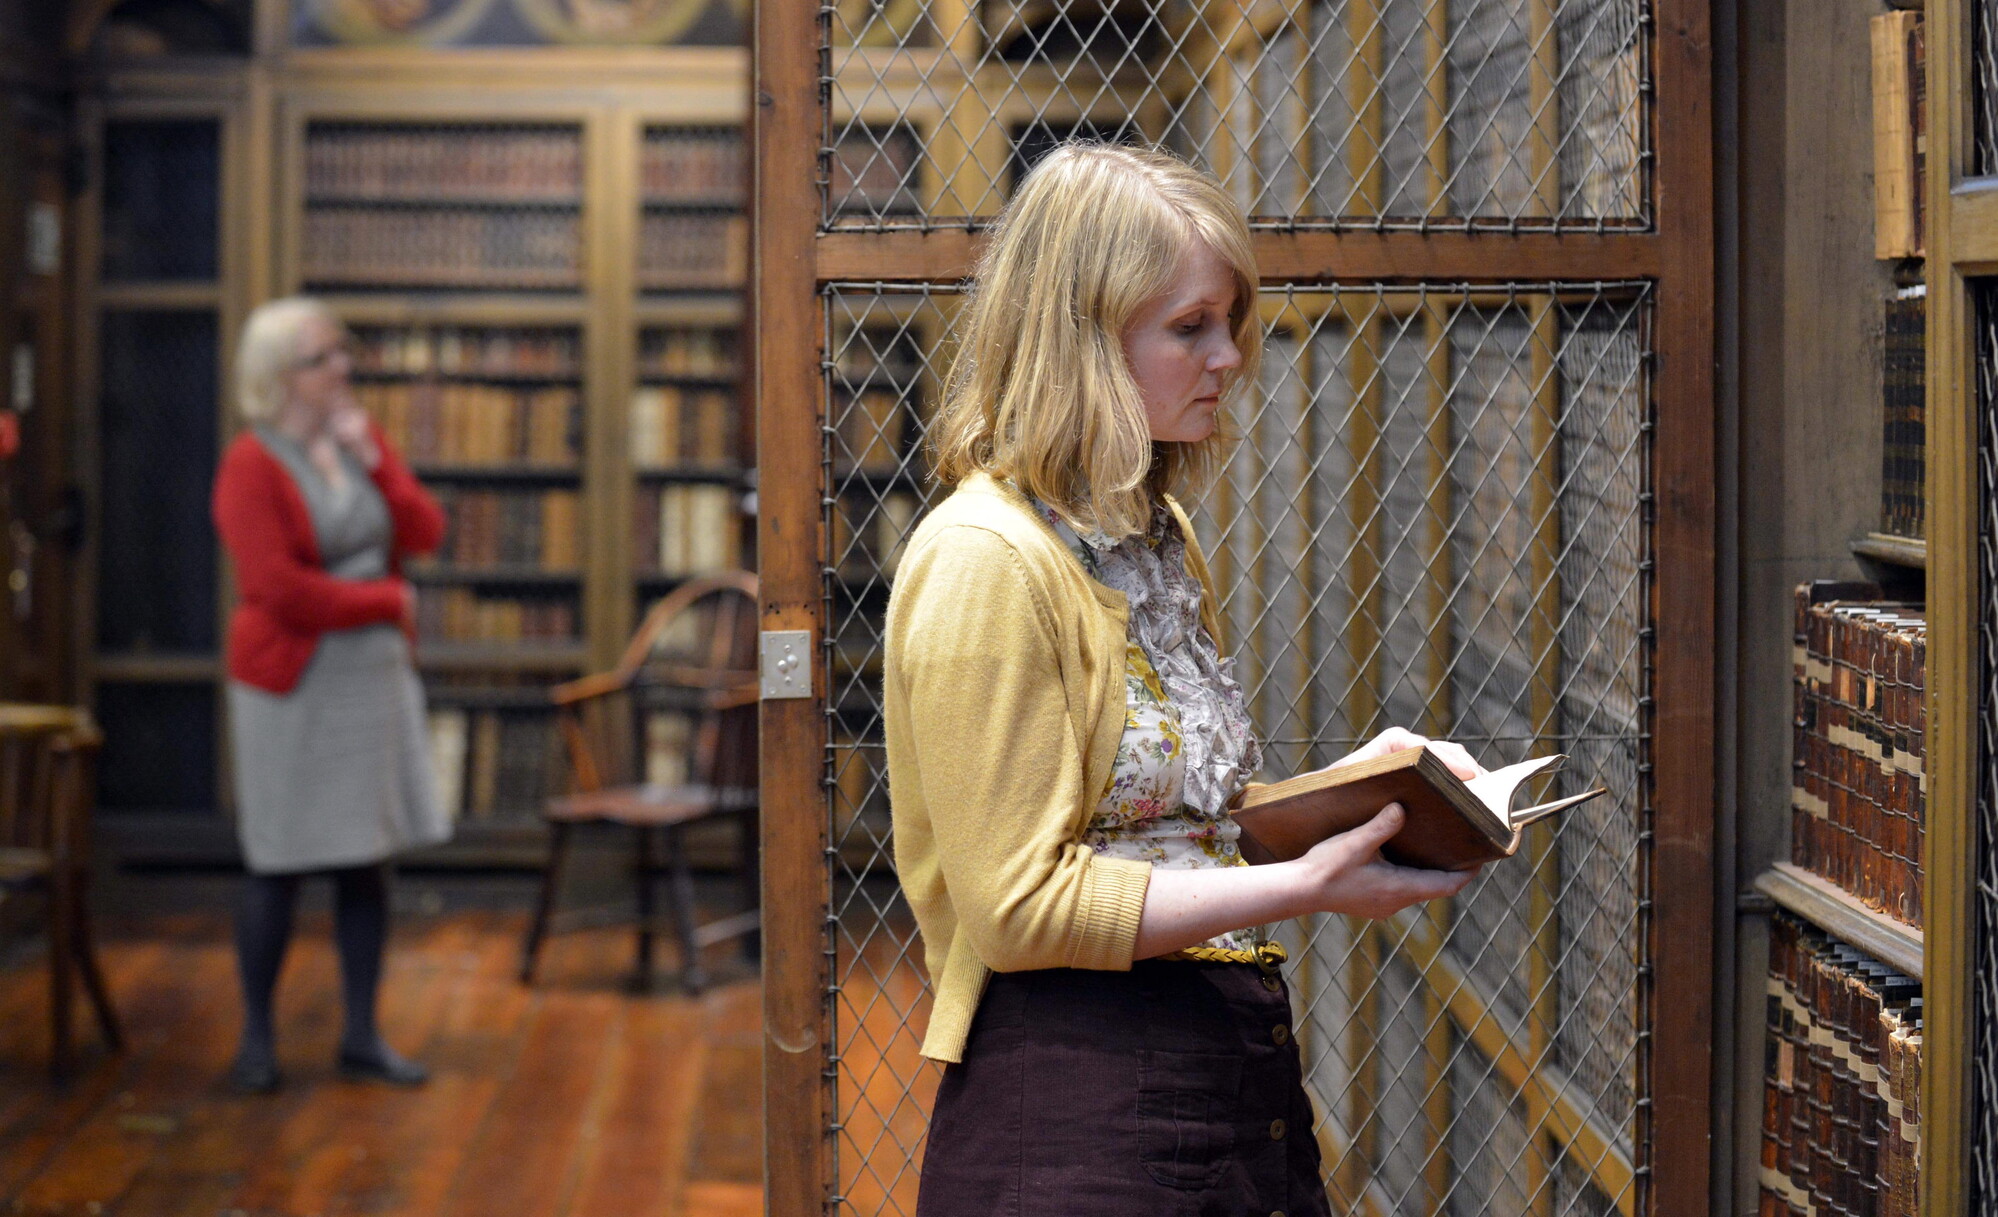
268 352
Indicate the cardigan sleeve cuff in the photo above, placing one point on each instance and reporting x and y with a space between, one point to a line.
1112 905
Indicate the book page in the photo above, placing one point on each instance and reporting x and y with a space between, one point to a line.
1498 788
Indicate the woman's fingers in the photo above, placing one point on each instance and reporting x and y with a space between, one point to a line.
1436 884
1357 845
1397 887
1458 758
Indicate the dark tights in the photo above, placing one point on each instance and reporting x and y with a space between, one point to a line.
360 927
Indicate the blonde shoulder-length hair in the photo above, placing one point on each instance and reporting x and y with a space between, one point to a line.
268 351
1040 391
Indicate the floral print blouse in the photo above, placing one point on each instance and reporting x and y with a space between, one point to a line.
1187 747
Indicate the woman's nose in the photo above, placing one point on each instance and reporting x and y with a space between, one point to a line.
1225 356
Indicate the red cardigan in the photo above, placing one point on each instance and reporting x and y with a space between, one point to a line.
284 598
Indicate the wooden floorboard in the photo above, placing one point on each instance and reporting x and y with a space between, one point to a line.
576 1097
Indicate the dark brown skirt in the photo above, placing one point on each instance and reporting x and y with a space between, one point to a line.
1171 1090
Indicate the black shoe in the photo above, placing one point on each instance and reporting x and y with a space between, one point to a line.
254 1075
382 1066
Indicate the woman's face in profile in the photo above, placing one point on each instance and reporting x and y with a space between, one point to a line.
319 375
1181 349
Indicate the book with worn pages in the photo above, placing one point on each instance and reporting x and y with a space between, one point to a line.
1451 824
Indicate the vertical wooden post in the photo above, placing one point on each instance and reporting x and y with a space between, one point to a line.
1543 140
786 117
1436 104
1954 603
1371 330
612 145
1365 84
1544 519
1439 576
1676 895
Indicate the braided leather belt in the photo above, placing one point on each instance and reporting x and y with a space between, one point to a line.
1265 955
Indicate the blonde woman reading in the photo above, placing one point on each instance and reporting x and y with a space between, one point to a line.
1065 738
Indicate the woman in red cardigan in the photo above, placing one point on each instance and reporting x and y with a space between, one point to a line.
326 717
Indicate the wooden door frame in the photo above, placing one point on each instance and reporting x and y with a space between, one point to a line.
791 260
1961 242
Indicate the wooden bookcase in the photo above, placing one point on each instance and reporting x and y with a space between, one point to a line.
542 254
1948 228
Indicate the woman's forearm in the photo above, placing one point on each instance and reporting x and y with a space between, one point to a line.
1186 907
1341 874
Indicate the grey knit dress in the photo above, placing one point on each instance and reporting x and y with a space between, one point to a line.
336 772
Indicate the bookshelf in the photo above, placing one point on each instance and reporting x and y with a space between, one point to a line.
1836 912
687 447
520 253
492 364
153 284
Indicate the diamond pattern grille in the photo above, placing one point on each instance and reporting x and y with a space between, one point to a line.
1984 86
1437 516
1404 114
1983 1139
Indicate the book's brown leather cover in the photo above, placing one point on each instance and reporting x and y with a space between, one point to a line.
1435 835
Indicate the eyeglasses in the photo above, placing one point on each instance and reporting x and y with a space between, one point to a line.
320 358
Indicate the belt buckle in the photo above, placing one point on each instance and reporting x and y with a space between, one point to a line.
1269 954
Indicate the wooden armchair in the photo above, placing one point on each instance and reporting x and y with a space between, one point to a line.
45 788
691 665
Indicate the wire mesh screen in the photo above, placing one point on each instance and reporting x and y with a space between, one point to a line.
1983 1139
1511 114
1438 516
1984 87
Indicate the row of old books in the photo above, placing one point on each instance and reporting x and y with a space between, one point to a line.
460 614
1859 790
872 432
423 163
705 353
469 351
686 529
530 528
868 534
469 423
432 247
692 250
1841 1122
671 425
695 165
875 170
1903 399
1900 133
489 763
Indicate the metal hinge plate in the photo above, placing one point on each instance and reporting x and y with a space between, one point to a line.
786 664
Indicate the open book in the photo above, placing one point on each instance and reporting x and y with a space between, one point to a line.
1451 824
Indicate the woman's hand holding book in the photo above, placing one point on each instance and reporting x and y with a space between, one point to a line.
1401 739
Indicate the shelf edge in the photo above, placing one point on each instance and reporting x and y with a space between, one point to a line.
1897 551
1843 917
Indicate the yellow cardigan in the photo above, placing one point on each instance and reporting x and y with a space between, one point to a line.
1004 688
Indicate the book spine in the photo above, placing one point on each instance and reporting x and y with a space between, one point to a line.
1857 790
1840 1132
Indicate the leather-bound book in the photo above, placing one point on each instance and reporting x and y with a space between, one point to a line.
1450 824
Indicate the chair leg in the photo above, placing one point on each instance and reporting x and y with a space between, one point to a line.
544 902
93 977
642 874
682 879
62 947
